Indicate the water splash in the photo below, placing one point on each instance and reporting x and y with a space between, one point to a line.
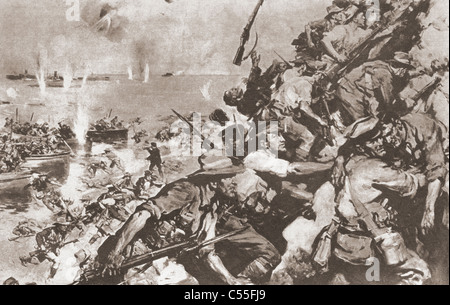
41 81
205 91
85 77
41 65
68 77
130 73
147 73
81 125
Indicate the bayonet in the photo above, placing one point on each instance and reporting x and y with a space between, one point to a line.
246 35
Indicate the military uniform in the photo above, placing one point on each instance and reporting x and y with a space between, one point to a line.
436 104
372 79
344 38
257 93
423 146
285 110
188 206
366 184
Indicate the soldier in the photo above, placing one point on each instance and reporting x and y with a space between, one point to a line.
434 99
372 87
258 90
416 140
200 200
144 184
115 160
343 38
49 242
316 29
155 159
40 184
125 185
365 220
412 143
65 131
94 167
26 228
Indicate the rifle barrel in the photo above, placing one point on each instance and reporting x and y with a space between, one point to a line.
142 259
246 34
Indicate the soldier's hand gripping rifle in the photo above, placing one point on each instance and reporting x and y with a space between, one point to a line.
336 71
175 250
246 35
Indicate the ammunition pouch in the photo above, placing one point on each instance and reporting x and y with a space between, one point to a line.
164 235
323 250
353 248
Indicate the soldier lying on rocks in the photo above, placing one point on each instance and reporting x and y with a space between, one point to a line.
49 242
125 186
94 167
412 142
365 226
196 204
25 228
144 184
114 201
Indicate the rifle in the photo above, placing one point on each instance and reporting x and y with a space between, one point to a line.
246 35
399 106
16 238
182 248
284 60
336 71
327 135
427 89
194 130
38 252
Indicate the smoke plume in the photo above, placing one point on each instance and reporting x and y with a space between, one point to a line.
194 36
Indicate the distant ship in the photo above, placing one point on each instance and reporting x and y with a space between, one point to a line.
168 75
96 78
24 76
55 78
57 81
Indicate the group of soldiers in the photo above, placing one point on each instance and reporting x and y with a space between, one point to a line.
108 124
36 139
39 130
104 213
352 91
352 87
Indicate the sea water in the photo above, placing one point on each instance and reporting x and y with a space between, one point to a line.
78 107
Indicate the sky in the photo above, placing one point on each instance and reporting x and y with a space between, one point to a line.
194 36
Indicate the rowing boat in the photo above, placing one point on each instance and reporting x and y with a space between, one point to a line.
111 135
